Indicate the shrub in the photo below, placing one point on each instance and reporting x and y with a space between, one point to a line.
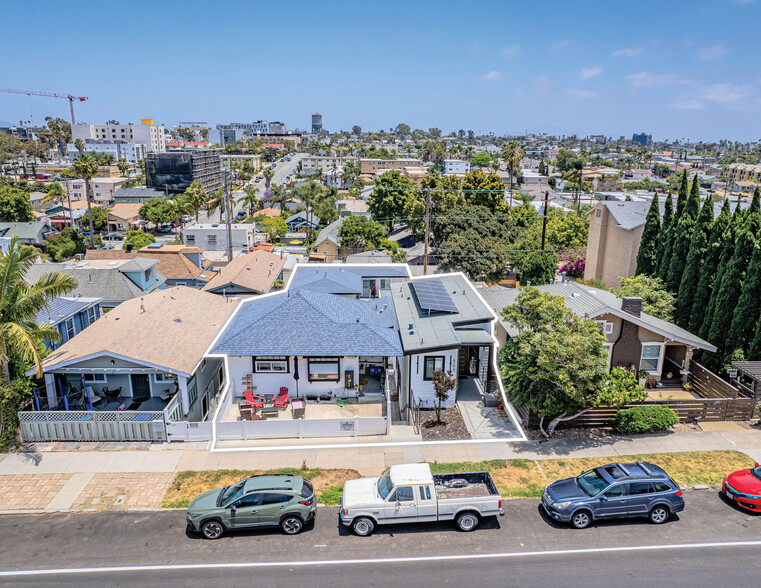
645 419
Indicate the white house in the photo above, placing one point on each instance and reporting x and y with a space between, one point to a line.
213 237
456 167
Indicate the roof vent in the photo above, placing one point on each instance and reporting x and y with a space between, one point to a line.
574 294
177 319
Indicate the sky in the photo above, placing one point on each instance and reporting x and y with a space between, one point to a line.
675 69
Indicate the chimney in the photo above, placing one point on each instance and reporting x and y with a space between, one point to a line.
632 305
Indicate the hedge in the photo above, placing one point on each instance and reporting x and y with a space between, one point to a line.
645 419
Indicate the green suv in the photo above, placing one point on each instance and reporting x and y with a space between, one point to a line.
287 502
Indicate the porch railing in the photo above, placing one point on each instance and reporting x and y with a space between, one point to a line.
173 410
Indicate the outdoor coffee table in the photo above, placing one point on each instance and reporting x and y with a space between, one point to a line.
267 411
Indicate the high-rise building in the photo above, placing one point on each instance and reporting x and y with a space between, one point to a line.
642 139
151 135
174 171
316 123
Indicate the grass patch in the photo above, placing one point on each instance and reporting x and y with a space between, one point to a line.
515 478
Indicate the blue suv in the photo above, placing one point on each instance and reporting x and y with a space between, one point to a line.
616 490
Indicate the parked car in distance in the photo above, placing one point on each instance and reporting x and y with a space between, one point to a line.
615 490
744 488
241 214
164 229
281 501
187 218
114 237
410 493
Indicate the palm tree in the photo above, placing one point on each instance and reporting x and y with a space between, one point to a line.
512 154
495 163
268 173
86 167
80 145
123 166
217 202
196 196
20 302
250 200
278 196
55 192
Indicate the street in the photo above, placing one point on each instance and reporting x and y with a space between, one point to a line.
711 543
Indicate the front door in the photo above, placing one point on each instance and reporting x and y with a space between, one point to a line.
426 504
614 503
273 506
400 506
140 386
246 513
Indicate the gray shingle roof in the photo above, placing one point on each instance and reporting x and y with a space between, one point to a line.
23 230
590 302
138 264
311 323
342 279
63 307
137 193
330 232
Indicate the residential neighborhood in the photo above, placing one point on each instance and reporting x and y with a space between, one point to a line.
487 311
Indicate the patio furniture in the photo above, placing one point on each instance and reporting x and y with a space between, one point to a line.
298 405
255 402
282 399
268 411
245 413
111 393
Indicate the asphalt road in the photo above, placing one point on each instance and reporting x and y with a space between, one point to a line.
524 548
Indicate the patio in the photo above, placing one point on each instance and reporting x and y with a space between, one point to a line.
366 407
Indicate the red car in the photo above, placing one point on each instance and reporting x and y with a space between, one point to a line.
744 488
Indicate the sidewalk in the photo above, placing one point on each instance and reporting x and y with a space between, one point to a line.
97 476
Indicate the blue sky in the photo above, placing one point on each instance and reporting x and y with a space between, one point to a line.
676 69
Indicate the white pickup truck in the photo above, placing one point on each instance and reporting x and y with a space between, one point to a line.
410 493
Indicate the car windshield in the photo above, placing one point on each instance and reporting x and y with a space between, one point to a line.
592 482
384 485
756 472
232 492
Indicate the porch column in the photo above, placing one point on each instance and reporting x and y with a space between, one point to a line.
687 359
183 391
50 390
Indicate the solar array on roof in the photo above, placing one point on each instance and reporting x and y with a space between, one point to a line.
432 295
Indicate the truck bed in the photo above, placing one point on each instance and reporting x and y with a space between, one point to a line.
464 485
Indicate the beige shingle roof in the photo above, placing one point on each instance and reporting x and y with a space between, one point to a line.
125 210
171 328
255 271
174 264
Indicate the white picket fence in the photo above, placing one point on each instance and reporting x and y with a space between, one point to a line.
300 428
92 426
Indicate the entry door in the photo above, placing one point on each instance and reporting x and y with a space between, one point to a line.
426 504
400 506
616 503
140 386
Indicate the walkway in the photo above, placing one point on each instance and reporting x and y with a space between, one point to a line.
482 422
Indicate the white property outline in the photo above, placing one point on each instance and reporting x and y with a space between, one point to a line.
212 447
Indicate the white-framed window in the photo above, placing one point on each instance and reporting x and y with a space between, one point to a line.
608 347
190 238
69 326
324 369
432 364
650 359
91 315
211 238
101 378
271 364
164 378
605 327
385 283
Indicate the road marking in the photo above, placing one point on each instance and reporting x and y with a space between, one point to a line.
390 560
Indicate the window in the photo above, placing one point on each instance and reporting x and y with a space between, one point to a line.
323 369
69 326
190 238
148 274
211 238
425 492
272 498
95 377
165 378
91 315
660 487
598 213
605 327
248 501
616 492
431 365
403 494
385 284
639 488
651 358
274 363
608 348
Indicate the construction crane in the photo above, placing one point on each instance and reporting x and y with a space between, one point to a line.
69 97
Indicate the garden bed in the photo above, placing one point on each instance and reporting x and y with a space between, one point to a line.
451 428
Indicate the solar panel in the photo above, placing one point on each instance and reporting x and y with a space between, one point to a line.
432 295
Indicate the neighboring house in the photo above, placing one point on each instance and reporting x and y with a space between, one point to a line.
634 339
60 216
456 167
213 237
403 236
368 257
5 242
147 347
328 243
122 216
372 166
69 316
302 221
250 274
33 233
114 281
137 195
354 281
354 207
102 190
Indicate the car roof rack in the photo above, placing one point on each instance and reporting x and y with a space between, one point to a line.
623 468
644 468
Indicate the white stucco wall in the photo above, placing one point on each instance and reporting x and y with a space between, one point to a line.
423 389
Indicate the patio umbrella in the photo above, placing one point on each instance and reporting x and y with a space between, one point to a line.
36 399
296 373
86 390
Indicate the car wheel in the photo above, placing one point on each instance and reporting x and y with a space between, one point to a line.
362 526
581 519
291 525
212 529
659 515
467 522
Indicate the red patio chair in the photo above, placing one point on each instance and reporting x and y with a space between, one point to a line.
256 402
282 399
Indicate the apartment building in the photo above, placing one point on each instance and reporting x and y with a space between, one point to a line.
371 166
739 172
324 163
129 150
254 161
151 135
174 171
101 189
456 167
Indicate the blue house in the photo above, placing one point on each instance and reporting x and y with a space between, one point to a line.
69 316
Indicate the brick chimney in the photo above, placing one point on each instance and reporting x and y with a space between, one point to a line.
632 305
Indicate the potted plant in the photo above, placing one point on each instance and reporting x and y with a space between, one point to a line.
325 397
312 397
686 386
642 375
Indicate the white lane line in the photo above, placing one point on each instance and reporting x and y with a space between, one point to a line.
390 560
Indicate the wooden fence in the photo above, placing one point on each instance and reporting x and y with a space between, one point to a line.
706 384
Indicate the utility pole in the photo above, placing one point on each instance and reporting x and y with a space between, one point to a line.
544 221
427 227
227 222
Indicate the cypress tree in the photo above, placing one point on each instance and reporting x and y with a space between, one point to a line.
664 237
729 293
647 255
681 198
702 295
695 259
727 250
754 354
683 236
748 309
